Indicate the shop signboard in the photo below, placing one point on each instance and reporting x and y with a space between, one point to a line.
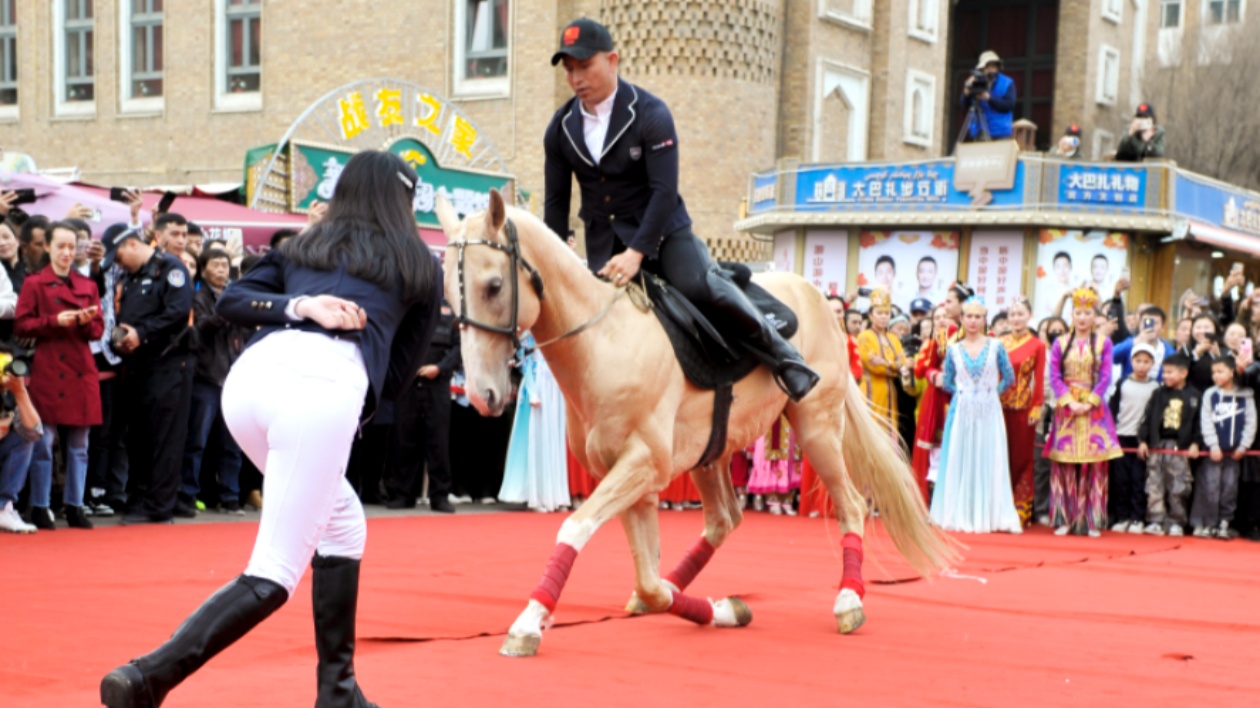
316 169
1102 186
764 195
1212 203
827 259
996 266
878 187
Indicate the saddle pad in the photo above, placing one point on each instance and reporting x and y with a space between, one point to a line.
710 357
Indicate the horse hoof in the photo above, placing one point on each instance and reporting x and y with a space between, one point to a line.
731 612
637 606
520 645
848 622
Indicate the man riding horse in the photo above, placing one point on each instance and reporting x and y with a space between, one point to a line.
619 141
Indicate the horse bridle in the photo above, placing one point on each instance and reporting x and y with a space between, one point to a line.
513 250
518 263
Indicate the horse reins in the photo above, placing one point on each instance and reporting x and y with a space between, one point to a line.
519 263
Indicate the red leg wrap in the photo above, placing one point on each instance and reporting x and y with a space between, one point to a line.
554 576
852 578
691 564
693 609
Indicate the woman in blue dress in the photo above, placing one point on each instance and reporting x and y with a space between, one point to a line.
537 471
973 491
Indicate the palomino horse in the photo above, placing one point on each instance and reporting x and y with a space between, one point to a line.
635 422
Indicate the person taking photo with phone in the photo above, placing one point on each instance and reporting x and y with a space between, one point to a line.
1150 326
1145 138
61 310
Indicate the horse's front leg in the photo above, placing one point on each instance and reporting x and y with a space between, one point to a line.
722 514
627 482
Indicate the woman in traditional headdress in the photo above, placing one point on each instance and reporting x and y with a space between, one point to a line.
929 367
973 485
1022 403
1082 436
882 358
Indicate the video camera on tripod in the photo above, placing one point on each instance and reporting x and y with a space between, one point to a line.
980 83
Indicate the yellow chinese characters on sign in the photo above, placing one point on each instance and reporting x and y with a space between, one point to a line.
353 115
389 107
463 136
428 119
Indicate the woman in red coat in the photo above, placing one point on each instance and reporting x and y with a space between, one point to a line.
61 311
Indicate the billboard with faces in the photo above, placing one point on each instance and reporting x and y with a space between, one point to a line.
1068 259
910 264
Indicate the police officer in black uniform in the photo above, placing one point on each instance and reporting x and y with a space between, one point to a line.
155 299
423 424
619 141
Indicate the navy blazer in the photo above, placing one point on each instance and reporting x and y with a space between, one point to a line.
631 195
392 345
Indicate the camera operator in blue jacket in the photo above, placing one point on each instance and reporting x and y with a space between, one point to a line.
994 94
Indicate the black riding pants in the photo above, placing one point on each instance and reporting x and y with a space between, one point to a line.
683 262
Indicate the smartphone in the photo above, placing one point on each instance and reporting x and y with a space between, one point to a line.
121 194
1236 268
164 204
24 196
864 292
1244 347
1148 323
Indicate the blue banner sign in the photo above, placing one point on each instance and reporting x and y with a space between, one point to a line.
765 192
891 186
1102 186
1210 203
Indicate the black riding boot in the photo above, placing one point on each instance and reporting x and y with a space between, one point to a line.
334 599
790 371
223 618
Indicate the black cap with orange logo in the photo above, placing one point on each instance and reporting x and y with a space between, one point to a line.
582 39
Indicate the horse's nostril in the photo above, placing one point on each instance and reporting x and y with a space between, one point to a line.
490 398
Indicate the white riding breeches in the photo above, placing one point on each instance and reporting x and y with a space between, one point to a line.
293 401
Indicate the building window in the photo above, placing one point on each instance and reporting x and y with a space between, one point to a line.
142 47
923 19
1224 12
1113 10
854 13
1108 75
482 29
73 57
238 58
1170 14
921 103
77 31
1104 145
8 53
840 85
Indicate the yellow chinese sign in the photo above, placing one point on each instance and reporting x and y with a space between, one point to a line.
353 115
389 107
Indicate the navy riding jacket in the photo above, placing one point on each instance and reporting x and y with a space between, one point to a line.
631 193
392 345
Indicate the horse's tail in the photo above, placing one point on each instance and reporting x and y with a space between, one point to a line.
879 467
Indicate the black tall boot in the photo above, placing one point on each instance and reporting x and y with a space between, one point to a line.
223 618
790 371
335 600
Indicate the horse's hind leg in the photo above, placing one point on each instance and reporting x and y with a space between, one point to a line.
722 514
819 429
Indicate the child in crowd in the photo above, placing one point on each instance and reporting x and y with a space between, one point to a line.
1229 428
1128 474
1171 424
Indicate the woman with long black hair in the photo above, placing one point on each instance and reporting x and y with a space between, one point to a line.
346 311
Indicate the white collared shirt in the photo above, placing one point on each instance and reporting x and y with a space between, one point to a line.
595 127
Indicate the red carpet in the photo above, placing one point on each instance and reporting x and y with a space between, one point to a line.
1057 621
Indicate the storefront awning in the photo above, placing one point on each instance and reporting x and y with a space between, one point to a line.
1224 238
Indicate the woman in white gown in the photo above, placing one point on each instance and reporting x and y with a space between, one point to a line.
537 472
973 491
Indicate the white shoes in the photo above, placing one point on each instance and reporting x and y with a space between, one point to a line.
465 499
1135 527
1120 527
1062 530
1154 529
12 522
1176 530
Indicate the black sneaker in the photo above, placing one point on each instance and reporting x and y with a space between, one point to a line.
43 519
185 509
76 517
401 503
441 504
231 508
134 518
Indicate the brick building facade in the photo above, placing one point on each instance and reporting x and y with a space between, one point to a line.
751 82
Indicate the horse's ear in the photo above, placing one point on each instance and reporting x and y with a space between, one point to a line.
496 215
447 217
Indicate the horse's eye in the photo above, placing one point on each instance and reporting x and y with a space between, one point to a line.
494 287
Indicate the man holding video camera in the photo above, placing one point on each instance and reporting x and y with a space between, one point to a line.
989 97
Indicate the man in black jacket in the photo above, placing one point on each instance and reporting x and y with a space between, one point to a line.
423 424
619 141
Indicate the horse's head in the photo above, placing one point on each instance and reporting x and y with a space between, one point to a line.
495 294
